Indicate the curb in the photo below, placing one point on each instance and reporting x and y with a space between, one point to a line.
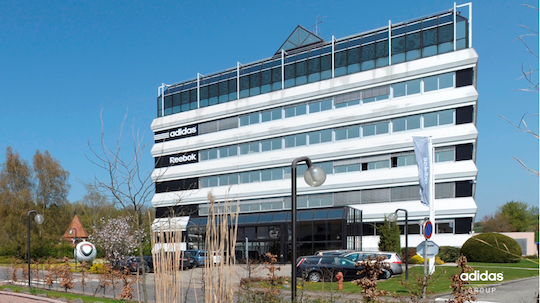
28 296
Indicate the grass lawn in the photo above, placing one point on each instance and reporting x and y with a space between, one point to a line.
441 278
56 295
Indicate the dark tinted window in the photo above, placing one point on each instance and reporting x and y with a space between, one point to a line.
464 152
463 189
327 260
311 261
464 114
464 77
463 225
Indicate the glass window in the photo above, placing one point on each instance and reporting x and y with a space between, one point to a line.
244 177
277 174
266 116
368 130
341 134
430 119
431 83
382 128
314 107
326 105
413 87
326 135
413 122
398 125
249 148
301 139
353 132
446 80
228 151
444 156
399 89
212 181
314 137
266 175
446 117
290 141
266 145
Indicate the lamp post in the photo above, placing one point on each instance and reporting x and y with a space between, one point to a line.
393 218
73 229
39 220
314 177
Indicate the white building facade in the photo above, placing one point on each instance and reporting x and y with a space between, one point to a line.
352 105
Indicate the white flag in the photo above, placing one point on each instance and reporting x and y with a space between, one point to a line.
424 156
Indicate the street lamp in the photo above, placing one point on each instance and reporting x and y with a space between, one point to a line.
39 220
314 177
73 229
393 218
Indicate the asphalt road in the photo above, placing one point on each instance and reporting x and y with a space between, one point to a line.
521 291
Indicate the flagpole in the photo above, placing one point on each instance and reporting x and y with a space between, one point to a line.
432 200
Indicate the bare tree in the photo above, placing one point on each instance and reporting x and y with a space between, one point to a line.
125 182
530 74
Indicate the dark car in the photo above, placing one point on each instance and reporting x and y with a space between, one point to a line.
150 262
188 260
134 264
335 252
319 268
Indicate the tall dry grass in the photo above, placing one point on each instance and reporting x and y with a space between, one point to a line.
220 240
172 284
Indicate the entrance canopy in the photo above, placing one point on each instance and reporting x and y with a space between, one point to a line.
170 224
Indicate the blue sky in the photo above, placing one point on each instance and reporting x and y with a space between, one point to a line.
62 62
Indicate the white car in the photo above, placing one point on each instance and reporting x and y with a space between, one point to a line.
392 259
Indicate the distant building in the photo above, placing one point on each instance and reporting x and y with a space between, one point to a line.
352 105
75 232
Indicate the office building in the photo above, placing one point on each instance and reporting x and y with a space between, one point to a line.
352 105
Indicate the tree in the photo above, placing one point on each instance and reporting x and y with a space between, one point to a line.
15 201
512 216
116 238
93 207
389 236
51 191
126 183
530 75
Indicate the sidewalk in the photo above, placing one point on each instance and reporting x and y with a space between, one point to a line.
13 297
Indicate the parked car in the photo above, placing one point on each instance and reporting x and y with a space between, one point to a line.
198 255
319 268
392 259
150 261
334 252
188 259
134 264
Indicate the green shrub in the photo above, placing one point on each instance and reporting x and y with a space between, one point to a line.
416 259
491 248
96 268
449 253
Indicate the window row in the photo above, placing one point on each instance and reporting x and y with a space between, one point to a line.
408 42
365 96
379 195
329 135
443 154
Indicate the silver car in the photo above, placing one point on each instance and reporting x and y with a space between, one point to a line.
392 259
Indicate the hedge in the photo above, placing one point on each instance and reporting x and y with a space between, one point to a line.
491 248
